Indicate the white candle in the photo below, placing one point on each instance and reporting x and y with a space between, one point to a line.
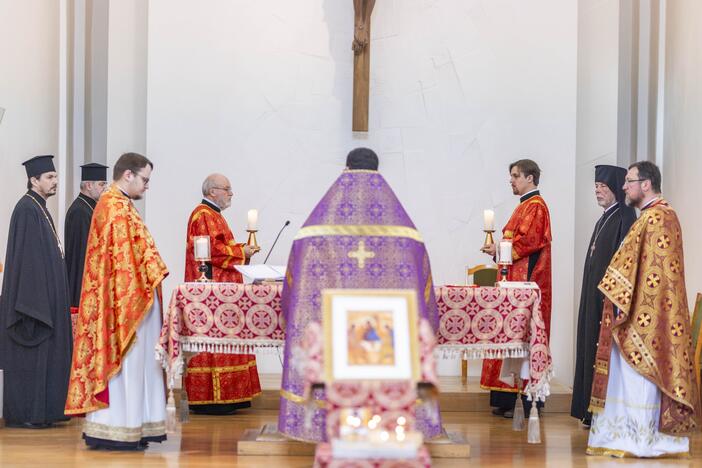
253 220
505 252
202 248
489 220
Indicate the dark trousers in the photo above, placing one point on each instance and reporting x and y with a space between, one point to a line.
507 400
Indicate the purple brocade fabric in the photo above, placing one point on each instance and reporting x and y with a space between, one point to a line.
360 212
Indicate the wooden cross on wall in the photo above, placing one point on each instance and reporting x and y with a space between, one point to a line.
361 63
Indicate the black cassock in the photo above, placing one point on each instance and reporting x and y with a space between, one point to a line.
606 237
35 324
78 218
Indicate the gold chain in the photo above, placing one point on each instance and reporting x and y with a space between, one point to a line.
58 241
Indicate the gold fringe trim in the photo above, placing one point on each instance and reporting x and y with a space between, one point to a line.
300 400
222 402
124 434
603 451
242 367
372 230
501 389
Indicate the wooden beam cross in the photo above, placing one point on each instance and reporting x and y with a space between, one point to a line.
361 63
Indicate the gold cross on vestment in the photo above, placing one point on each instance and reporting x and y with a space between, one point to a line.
361 254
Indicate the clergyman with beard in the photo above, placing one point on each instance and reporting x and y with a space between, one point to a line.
35 324
645 396
218 383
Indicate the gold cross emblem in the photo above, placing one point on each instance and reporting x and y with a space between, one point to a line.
361 254
635 357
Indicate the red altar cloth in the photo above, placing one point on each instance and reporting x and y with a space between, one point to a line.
483 322
323 459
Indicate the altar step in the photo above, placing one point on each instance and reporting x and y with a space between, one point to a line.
455 395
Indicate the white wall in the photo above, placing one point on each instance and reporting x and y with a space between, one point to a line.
262 92
598 82
682 142
29 37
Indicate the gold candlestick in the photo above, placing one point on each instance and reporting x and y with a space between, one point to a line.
251 241
488 238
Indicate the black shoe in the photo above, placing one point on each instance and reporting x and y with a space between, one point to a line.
499 411
29 425
586 422
509 414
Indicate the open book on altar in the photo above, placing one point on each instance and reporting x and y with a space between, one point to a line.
260 273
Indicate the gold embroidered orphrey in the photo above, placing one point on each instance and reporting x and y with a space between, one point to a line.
646 282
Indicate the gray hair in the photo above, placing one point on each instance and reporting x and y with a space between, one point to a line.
84 185
208 185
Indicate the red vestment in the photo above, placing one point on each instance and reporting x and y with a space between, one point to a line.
123 272
529 228
214 378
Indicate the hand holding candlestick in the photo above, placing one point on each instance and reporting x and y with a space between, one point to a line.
252 229
488 229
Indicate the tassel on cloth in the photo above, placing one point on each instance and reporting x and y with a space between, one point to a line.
518 413
534 432
171 423
518 416
184 407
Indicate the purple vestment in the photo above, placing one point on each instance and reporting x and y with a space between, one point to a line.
358 215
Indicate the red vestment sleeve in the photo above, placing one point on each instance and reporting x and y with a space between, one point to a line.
225 253
533 232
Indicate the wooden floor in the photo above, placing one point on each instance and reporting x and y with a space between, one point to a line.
211 441
455 395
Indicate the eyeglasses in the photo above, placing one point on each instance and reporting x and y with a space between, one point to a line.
226 189
631 181
143 179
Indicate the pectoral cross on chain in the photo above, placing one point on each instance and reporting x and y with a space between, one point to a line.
361 254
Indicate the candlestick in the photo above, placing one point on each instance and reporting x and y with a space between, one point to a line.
201 247
488 239
251 241
504 258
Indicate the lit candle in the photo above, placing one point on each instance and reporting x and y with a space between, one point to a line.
505 252
489 220
384 436
401 421
202 248
253 220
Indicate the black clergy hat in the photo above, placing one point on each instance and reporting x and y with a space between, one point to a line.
39 165
93 172
613 177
